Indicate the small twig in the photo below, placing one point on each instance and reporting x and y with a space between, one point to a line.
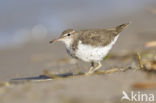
150 44
107 71
144 85
4 84
47 73
139 59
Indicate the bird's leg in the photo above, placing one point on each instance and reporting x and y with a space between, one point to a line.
91 68
97 67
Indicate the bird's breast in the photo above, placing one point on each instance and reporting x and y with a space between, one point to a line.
90 53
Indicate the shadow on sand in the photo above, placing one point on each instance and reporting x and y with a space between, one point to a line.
44 77
48 76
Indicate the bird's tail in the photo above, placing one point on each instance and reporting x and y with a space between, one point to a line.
121 27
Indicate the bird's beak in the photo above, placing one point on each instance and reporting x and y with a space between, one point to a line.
57 39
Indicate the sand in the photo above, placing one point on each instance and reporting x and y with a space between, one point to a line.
23 80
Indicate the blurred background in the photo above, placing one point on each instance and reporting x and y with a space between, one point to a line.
24 21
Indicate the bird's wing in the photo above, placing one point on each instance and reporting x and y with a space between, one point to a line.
101 37
97 37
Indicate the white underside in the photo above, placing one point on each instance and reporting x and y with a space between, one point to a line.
90 53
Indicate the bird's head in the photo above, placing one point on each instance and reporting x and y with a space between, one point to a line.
66 36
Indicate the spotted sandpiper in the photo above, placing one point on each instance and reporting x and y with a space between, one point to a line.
90 45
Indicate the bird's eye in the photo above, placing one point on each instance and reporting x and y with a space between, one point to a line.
68 34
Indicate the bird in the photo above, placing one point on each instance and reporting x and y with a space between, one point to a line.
90 45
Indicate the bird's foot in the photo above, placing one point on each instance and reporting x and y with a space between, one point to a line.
89 73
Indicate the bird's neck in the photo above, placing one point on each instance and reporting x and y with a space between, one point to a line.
68 42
